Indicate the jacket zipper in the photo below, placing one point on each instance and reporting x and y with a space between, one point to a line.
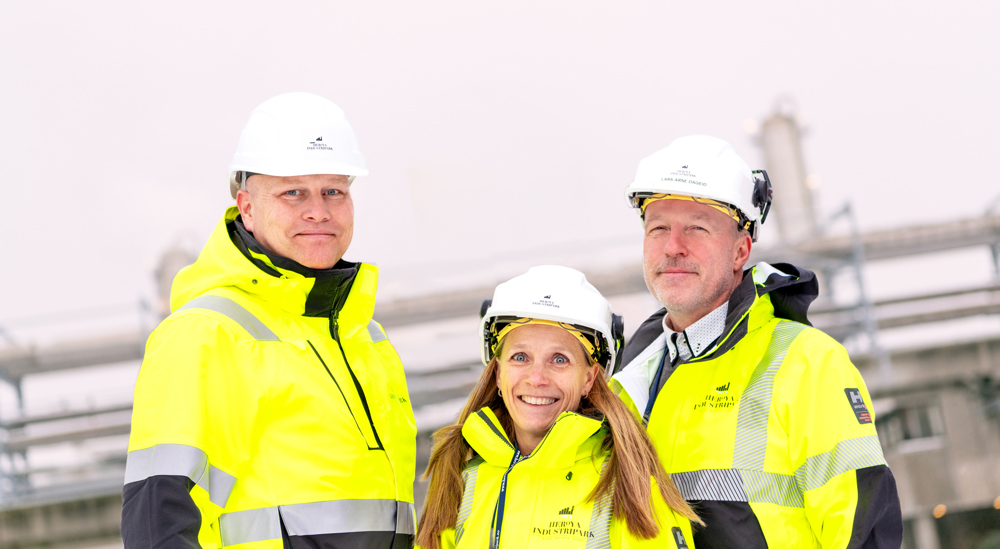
334 313
341 391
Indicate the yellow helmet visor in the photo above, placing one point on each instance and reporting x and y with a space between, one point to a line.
587 343
721 206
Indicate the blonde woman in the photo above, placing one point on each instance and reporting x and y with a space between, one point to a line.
543 454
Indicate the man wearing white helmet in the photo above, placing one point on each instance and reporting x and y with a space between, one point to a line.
271 410
762 421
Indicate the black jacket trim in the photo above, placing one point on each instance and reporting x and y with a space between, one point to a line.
878 522
742 529
352 540
158 512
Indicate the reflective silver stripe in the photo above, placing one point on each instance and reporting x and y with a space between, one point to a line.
406 518
847 455
250 526
220 485
600 518
755 404
739 485
469 475
236 312
330 517
375 332
165 459
711 485
323 517
180 460
774 488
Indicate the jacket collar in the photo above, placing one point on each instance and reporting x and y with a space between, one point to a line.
237 261
331 286
569 438
789 290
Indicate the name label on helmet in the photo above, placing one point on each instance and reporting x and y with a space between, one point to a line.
681 180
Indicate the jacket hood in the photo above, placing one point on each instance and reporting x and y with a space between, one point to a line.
791 289
233 258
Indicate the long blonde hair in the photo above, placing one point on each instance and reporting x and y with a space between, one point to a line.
633 462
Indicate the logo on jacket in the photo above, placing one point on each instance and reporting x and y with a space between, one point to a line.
320 138
562 528
722 389
858 405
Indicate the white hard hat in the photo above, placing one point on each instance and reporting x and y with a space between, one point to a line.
700 166
559 294
296 134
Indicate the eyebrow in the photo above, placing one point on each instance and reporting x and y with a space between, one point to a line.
697 216
521 347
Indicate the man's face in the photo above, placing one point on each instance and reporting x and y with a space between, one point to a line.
692 258
306 218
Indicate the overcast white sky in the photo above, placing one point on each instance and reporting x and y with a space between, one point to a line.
493 132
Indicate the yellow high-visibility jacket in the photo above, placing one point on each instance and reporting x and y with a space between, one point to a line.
545 503
270 408
770 433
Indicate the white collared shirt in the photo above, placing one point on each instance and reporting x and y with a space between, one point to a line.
698 337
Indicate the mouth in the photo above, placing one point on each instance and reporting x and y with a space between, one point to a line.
674 272
537 401
316 235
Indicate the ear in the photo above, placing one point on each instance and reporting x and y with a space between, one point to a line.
589 380
245 205
741 251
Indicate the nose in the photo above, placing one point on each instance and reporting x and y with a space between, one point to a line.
675 244
538 375
316 209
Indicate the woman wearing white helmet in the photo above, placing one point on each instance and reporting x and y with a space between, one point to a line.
543 454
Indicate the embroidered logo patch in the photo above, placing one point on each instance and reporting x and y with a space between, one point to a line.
858 405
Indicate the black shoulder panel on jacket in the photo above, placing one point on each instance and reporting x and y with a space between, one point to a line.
159 512
647 332
878 521
727 524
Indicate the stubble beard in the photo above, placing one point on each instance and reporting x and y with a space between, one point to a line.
685 305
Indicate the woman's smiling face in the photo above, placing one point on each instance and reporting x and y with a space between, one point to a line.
542 373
